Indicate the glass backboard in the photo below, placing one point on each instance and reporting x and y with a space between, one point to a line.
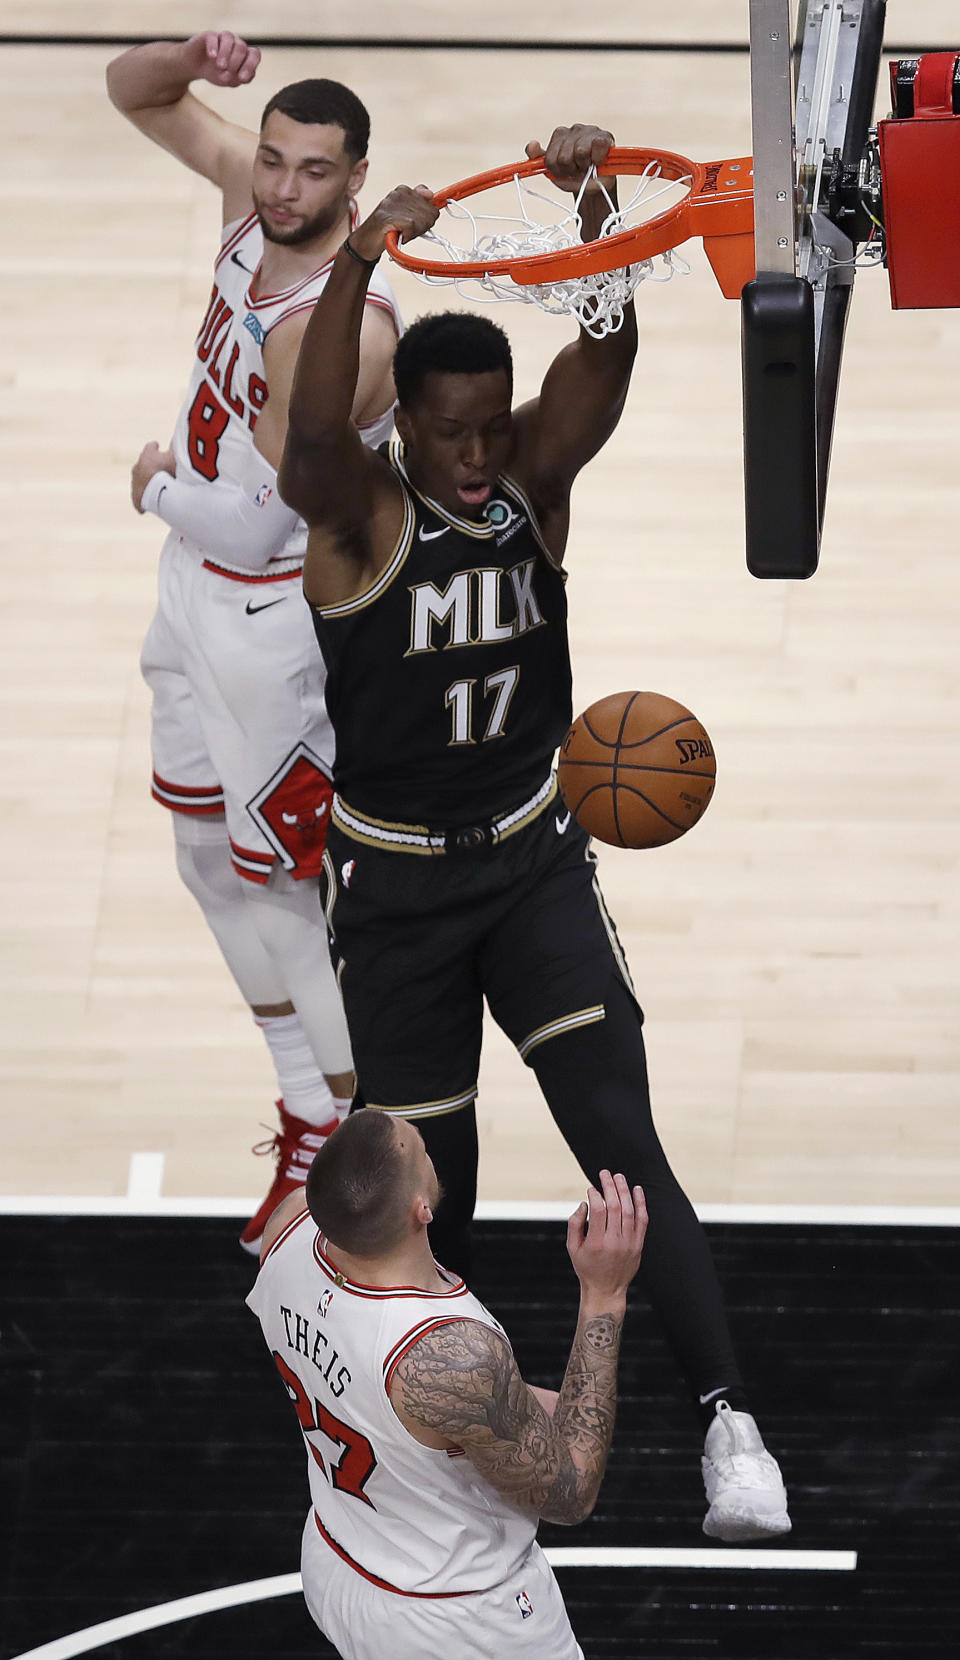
814 66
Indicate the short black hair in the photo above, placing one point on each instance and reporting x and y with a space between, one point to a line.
325 104
357 1190
449 342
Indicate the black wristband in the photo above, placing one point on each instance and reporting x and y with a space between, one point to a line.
348 247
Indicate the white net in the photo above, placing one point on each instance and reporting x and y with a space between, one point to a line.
463 235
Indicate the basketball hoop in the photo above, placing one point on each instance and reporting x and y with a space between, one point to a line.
546 264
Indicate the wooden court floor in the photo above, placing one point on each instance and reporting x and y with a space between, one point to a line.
797 954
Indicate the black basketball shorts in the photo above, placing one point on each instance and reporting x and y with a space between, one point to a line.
423 939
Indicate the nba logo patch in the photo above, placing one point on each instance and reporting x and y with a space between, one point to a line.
525 1605
346 871
263 495
324 1304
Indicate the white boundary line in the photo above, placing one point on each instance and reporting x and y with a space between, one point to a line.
703 1556
285 1585
164 1613
488 1210
145 1179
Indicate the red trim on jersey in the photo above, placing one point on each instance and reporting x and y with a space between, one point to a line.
263 863
458 1289
285 293
271 299
412 1339
304 1216
187 789
250 876
411 1336
308 305
368 426
237 237
305 305
384 1584
253 853
195 802
251 576
214 811
377 299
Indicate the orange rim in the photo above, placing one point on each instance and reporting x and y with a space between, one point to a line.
719 203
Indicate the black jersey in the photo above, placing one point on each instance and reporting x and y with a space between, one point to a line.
448 681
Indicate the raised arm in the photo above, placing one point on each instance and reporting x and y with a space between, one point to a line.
150 86
585 388
347 495
461 1381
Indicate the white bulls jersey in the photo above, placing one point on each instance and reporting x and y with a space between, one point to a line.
406 1517
228 387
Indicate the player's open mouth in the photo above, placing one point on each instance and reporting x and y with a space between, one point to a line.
473 495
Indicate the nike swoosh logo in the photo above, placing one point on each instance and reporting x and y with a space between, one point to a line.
239 262
252 609
431 535
562 824
713 1395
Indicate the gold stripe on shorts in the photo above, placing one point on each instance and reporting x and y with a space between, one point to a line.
428 1109
566 1023
611 933
329 870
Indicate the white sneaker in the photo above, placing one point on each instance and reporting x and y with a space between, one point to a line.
744 1486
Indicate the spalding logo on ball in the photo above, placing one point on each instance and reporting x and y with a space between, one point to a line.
636 769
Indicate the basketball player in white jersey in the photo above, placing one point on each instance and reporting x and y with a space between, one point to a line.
242 746
429 1459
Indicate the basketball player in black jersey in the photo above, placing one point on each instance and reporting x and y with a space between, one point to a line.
434 574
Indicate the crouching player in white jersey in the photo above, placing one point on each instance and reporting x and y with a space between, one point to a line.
429 1458
242 746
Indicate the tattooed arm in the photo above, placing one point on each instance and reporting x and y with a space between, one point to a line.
461 1383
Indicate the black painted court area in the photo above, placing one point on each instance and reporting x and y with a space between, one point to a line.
148 1450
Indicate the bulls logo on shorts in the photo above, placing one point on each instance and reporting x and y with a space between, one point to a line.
293 810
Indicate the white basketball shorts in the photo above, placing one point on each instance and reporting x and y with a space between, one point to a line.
524 1616
239 724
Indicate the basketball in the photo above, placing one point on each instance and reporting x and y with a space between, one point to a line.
636 769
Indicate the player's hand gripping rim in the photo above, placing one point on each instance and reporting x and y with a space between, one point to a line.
408 212
571 153
605 1237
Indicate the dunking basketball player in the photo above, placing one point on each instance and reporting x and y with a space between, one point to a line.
430 1460
434 573
242 746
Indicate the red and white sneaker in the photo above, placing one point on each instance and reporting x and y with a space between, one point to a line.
293 1147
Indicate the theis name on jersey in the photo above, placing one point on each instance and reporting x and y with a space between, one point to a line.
312 1342
478 606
